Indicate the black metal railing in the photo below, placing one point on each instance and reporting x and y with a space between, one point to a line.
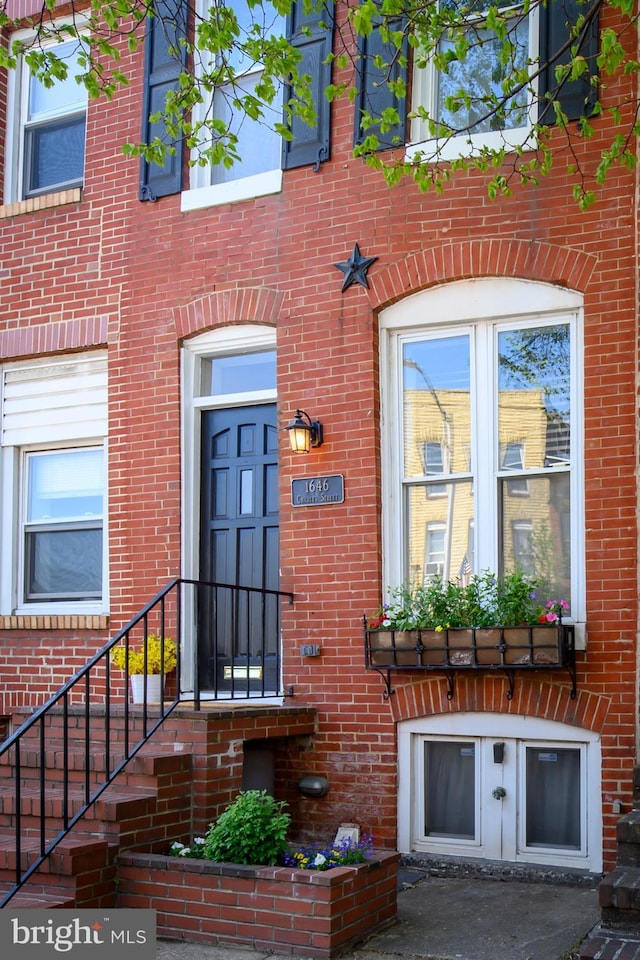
234 636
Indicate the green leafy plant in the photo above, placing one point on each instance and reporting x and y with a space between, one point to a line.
156 661
252 830
487 600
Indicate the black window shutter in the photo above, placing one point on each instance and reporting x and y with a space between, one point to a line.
374 95
576 97
165 59
311 144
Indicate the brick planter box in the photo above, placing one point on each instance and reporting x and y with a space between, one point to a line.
319 914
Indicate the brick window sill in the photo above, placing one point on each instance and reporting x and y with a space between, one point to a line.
55 622
44 202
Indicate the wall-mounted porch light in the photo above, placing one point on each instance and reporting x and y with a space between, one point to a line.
304 432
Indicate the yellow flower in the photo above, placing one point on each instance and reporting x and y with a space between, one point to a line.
135 656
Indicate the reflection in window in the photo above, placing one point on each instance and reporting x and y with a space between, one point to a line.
434 463
502 443
435 558
513 459
523 553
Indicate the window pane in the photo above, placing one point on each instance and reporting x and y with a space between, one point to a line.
259 146
553 797
481 75
64 95
54 154
450 516
264 19
436 403
450 796
64 564
64 486
543 517
239 374
535 394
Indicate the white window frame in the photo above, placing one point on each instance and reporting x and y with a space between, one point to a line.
202 193
424 93
12 501
50 603
17 125
451 308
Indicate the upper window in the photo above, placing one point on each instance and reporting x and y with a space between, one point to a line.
490 391
454 98
47 137
257 168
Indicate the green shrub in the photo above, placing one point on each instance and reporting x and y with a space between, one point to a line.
252 830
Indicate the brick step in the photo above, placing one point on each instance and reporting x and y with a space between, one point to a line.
149 762
602 945
115 805
79 871
71 854
28 899
628 839
619 899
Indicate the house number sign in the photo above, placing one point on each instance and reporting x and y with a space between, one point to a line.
316 490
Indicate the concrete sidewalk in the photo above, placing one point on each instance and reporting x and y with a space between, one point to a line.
457 919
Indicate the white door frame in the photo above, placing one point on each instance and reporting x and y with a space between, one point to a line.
223 341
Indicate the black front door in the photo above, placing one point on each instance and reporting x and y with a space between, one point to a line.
238 635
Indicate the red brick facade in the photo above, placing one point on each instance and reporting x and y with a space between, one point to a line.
138 279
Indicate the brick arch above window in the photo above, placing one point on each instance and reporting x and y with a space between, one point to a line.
489 257
232 306
548 701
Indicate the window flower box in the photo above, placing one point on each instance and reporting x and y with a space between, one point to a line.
449 625
510 649
542 646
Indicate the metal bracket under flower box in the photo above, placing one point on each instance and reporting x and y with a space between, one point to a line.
545 646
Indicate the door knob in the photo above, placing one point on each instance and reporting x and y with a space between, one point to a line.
498 793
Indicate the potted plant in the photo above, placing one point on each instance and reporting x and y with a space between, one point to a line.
489 621
146 664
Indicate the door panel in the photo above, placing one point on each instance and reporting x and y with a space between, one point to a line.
505 799
239 545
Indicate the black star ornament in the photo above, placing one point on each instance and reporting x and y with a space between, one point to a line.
355 269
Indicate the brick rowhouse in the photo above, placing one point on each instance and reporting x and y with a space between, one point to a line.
95 269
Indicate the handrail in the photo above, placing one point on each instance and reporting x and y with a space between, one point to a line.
245 610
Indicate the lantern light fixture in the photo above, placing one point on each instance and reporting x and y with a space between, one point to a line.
304 432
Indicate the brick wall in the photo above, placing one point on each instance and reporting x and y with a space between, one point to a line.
141 276
270 908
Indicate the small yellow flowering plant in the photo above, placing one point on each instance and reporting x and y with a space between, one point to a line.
155 662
